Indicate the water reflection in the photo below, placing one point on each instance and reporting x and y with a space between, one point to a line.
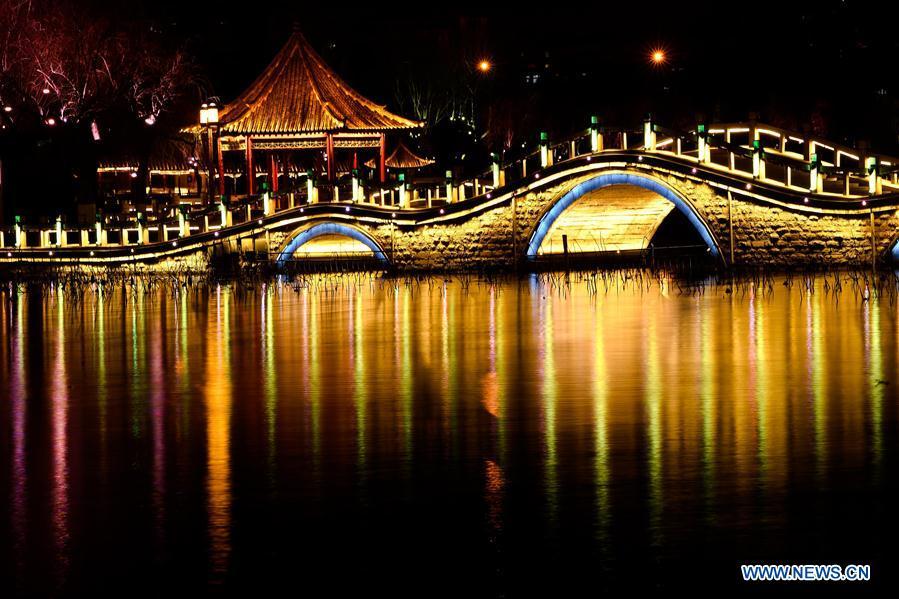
544 431
218 389
601 466
546 359
705 324
18 417
360 382
816 383
157 416
653 400
59 405
270 379
493 401
874 367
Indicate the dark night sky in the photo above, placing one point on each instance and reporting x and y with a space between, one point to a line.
829 62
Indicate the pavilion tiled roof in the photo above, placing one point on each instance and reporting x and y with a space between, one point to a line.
402 157
299 93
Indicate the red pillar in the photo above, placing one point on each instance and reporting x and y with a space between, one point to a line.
221 161
382 159
329 150
273 170
251 169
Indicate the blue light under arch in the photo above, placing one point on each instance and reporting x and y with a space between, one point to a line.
331 229
605 180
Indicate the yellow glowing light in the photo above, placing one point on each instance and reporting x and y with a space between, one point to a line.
484 66
658 56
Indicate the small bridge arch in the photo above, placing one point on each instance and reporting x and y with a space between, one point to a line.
606 180
304 235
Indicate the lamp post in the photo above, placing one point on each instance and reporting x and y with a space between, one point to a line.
209 120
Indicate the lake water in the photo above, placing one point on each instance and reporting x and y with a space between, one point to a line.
444 437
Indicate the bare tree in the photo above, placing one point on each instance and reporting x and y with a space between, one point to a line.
65 66
67 75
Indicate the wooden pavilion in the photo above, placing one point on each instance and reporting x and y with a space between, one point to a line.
299 103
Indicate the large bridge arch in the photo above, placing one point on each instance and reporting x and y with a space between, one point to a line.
304 235
605 180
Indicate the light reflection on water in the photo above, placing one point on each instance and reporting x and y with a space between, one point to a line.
517 434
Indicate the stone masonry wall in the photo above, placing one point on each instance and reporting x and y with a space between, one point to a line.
763 233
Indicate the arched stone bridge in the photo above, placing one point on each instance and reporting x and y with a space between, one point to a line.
605 200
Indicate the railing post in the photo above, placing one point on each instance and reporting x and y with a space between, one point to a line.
311 194
183 225
544 150
649 135
98 230
496 170
142 236
703 138
813 174
872 169
731 162
355 185
595 136
758 162
449 187
21 238
267 203
58 231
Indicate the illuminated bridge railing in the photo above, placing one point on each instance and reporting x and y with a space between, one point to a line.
800 165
